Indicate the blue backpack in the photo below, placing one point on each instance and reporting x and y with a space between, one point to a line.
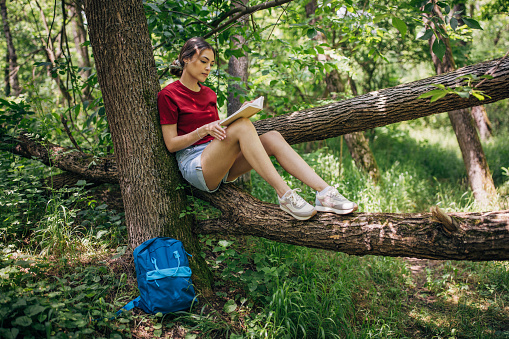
164 277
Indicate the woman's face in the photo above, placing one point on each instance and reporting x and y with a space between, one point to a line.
198 67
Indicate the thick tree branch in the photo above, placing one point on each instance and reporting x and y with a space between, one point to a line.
88 167
387 106
478 236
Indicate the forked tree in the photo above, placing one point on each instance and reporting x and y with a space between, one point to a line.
151 185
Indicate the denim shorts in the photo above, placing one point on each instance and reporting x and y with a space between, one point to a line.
189 161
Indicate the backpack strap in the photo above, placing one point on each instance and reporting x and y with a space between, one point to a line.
129 306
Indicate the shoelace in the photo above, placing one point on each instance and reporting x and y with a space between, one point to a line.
335 195
296 199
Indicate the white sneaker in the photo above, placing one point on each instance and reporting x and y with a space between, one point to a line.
297 207
333 201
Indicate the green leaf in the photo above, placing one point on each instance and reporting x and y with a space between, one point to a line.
33 310
12 334
478 95
454 23
311 33
19 303
400 26
439 49
426 35
225 243
153 6
471 23
230 306
22 321
438 96
378 18
431 93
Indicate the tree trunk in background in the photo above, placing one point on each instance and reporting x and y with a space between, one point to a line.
357 143
53 53
11 52
478 112
7 83
80 37
238 67
147 173
359 148
479 176
481 120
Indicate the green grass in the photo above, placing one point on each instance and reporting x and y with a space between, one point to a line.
57 271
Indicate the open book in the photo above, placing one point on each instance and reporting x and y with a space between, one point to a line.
245 111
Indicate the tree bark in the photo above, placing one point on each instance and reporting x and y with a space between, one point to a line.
11 52
482 121
364 112
7 83
148 174
478 172
466 236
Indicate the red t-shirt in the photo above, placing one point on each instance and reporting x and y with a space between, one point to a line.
179 105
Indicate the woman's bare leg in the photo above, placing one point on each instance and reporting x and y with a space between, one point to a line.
220 156
274 144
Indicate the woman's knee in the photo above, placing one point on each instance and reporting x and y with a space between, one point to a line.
240 126
272 141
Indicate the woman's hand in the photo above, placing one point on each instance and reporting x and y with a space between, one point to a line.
215 130
246 102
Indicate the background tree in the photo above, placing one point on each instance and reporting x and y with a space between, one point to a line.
478 172
11 70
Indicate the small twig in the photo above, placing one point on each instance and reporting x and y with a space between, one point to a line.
277 21
492 69
247 10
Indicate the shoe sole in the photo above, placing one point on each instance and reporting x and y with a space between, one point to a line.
297 216
333 210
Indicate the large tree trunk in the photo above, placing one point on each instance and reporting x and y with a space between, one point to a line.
148 175
364 112
478 172
11 52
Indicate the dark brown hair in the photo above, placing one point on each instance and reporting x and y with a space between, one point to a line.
190 48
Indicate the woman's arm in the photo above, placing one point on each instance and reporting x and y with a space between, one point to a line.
175 142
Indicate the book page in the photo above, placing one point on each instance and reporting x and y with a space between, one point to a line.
245 111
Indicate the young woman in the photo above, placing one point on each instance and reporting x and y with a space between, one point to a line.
209 154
